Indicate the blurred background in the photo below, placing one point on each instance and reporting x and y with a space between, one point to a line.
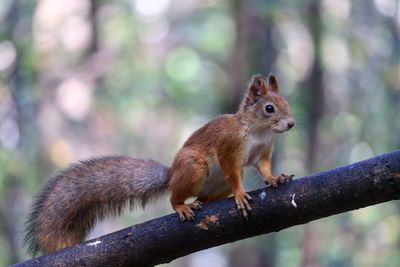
83 78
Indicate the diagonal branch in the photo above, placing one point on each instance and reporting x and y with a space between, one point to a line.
310 198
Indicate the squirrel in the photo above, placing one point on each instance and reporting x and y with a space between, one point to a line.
209 167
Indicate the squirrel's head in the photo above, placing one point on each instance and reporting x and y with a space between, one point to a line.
265 106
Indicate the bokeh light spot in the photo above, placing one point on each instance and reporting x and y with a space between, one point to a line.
8 54
60 152
151 7
361 151
74 97
9 134
182 64
386 7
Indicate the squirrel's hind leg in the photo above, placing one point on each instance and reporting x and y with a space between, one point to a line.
188 174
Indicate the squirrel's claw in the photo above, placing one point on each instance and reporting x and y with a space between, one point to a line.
284 178
271 184
196 205
185 212
181 216
242 203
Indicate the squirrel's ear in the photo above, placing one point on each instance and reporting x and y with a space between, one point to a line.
273 83
256 89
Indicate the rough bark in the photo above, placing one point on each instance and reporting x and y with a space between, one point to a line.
310 198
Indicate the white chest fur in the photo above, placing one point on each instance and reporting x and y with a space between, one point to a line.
256 146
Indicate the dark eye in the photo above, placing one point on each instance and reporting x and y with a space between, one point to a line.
269 108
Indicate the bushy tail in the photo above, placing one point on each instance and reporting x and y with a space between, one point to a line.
71 202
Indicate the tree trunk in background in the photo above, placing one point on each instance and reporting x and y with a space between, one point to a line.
236 64
394 79
8 230
315 110
94 40
394 88
252 53
315 90
18 81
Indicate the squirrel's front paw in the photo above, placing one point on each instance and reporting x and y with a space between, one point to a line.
275 180
284 178
242 203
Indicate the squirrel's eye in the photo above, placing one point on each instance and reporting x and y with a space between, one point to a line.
269 108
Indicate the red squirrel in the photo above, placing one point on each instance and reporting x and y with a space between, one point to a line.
209 167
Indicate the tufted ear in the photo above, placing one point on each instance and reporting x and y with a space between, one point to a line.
256 89
273 83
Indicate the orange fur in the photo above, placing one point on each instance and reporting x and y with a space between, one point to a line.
229 143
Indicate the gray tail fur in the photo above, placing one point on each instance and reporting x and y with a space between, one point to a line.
72 201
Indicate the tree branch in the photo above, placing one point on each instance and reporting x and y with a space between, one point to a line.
310 198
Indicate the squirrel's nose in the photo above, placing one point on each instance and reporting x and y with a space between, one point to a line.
290 123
